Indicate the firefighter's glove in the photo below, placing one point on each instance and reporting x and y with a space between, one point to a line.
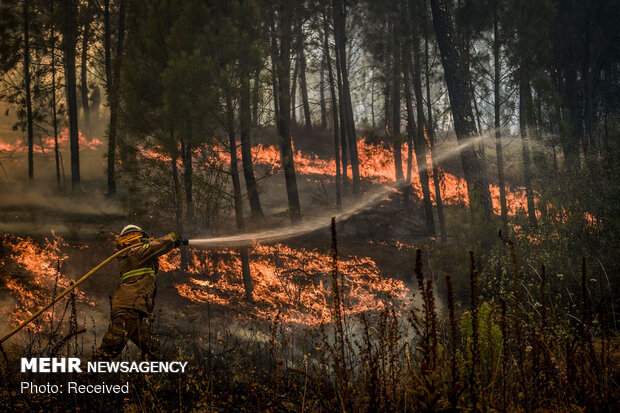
184 241
177 239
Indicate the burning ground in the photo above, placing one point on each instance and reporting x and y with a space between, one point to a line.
291 282
285 341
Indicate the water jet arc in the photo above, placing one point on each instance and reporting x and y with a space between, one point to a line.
315 224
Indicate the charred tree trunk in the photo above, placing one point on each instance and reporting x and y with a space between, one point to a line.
431 139
411 126
387 87
372 103
420 143
395 129
178 205
28 92
294 93
498 125
84 68
113 75
303 85
246 144
322 94
234 173
341 41
343 121
188 172
256 96
417 135
284 119
274 70
570 101
460 101
334 106
53 103
411 123
68 42
587 91
525 145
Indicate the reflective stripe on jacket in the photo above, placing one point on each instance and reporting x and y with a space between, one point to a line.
138 271
138 267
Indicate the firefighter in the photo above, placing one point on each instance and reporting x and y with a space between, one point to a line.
133 299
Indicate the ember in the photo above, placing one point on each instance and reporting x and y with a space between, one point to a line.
35 274
292 281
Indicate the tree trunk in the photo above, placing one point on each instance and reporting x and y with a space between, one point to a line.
188 172
395 129
498 125
246 144
274 70
411 128
430 127
387 87
523 128
68 42
417 135
113 77
420 143
322 94
460 101
84 69
178 208
303 86
334 106
411 123
256 96
28 94
372 103
294 93
343 121
234 173
570 101
53 103
284 119
341 41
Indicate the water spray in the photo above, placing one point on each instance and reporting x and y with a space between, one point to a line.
322 222
262 236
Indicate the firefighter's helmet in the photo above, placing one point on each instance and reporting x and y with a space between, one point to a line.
131 234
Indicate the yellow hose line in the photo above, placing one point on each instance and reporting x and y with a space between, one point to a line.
65 292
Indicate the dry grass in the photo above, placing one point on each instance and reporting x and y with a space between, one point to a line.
488 356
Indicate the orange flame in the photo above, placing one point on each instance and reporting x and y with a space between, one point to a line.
47 143
33 270
294 282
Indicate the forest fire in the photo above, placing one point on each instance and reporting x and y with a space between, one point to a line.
293 282
200 151
289 281
46 144
33 274
377 166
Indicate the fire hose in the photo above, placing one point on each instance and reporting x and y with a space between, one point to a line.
65 292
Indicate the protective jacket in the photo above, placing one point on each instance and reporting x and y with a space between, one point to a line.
138 267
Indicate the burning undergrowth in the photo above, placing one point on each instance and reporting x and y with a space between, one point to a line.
376 166
293 283
33 274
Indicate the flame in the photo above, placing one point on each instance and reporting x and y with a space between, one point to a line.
33 274
46 144
293 281
376 165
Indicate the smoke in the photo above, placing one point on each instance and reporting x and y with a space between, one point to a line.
38 208
323 221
